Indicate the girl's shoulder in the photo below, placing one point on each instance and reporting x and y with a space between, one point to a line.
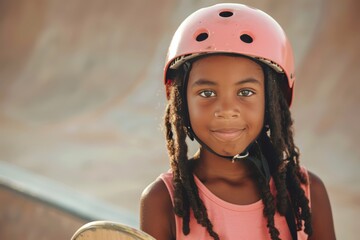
314 180
322 219
156 210
156 195
316 187
157 191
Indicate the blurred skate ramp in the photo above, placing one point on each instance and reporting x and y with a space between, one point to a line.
81 95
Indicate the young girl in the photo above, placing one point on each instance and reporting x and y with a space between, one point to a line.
229 80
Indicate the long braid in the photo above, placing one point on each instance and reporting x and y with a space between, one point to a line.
170 144
276 145
186 192
288 177
300 202
295 176
269 207
265 193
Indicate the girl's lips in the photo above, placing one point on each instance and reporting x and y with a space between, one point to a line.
227 135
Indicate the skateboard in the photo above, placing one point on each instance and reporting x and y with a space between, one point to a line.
107 230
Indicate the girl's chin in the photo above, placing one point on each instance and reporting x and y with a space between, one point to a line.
229 149
229 152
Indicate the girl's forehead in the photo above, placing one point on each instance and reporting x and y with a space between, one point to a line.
226 65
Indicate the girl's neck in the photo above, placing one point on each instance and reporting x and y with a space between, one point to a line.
208 165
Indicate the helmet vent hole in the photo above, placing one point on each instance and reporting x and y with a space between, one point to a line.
226 14
246 38
202 36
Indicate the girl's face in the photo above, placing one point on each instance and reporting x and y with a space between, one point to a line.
226 101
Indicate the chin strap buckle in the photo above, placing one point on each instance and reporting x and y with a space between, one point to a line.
240 156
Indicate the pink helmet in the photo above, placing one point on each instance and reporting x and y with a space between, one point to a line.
234 29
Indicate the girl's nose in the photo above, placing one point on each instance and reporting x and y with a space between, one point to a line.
227 109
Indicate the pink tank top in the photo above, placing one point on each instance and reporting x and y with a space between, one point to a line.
231 221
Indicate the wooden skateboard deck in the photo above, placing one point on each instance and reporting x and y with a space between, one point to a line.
106 230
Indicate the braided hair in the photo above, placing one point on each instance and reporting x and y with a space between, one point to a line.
275 142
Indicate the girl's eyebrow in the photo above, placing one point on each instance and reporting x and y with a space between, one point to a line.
248 80
202 82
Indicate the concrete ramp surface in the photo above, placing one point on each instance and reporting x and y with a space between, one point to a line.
26 218
81 95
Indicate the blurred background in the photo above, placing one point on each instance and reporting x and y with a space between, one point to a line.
81 104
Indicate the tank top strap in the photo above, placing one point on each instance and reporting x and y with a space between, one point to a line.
167 178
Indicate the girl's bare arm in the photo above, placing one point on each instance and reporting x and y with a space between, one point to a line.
156 211
322 219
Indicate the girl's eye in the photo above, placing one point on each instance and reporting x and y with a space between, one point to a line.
207 93
246 93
